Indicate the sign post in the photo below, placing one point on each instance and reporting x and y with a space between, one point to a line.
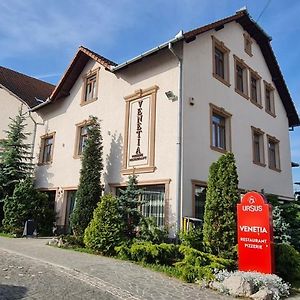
255 234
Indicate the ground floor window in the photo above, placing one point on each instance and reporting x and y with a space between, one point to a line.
199 195
153 199
71 199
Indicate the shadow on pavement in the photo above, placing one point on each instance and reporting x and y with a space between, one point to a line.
12 292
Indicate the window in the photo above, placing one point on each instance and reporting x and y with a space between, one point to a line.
269 99
199 194
241 78
81 137
258 146
90 88
255 94
47 144
220 129
273 153
220 61
248 44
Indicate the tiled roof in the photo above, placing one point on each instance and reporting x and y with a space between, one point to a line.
25 87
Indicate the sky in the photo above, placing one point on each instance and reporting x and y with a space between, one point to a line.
40 37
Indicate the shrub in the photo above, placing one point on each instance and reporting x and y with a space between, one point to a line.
105 230
287 262
149 231
146 252
192 238
219 228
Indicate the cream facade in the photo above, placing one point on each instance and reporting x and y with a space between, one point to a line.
166 116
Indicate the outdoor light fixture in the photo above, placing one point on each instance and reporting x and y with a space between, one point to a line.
170 95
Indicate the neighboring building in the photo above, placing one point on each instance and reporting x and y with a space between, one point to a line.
167 114
20 92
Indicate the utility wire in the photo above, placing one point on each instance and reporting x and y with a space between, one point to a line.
264 9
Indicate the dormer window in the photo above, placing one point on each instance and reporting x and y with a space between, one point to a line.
248 44
90 89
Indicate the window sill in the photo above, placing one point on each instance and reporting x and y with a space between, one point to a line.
221 150
224 81
275 169
259 163
256 103
242 94
271 113
83 102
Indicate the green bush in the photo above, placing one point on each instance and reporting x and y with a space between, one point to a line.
146 252
149 231
199 265
105 230
192 238
72 240
287 262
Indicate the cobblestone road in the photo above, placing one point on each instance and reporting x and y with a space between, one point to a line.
31 270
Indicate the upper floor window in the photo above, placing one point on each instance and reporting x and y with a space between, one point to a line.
258 146
241 78
47 144
248 44
269 99
273 153
90 88
220 61
220 129
255 92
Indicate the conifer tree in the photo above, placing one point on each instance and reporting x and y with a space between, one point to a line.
219 229
89 189
130 202
15 155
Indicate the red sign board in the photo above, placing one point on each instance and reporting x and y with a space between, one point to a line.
255 234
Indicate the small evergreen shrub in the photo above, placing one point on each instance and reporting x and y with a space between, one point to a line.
192 238
287 261
105 230
149 231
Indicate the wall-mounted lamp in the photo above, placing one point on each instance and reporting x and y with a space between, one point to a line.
170 95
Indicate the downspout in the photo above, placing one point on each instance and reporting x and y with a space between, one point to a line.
179 159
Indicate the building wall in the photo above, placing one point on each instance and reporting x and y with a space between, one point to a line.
200 84
61 117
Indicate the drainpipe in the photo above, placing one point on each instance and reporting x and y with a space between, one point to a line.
179 159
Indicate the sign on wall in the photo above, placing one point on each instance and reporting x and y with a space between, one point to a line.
255 234
139 143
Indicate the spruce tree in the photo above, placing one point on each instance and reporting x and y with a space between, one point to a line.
219 229
89 189
15 156
130 202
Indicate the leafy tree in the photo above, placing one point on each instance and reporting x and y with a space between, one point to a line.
15 156
280 226
89 190
130 202
27 203
106 229
219 228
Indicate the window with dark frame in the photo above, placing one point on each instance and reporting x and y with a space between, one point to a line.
239 78
253 90
273 153
258 146
90 88
218 131
219 63
46 149
268 100
199 200
248 44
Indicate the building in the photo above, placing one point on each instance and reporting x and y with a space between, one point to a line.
20 92
167 114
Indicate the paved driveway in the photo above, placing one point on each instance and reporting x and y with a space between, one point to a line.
66 274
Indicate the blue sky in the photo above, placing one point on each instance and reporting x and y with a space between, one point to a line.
40 37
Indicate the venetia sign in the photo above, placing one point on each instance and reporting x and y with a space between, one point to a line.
255 234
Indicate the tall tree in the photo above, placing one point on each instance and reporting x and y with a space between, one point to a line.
15 155
219 228
130 201
89 189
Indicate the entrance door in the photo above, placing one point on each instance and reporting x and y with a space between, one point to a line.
70 207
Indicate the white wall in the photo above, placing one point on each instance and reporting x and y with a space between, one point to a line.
200 84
